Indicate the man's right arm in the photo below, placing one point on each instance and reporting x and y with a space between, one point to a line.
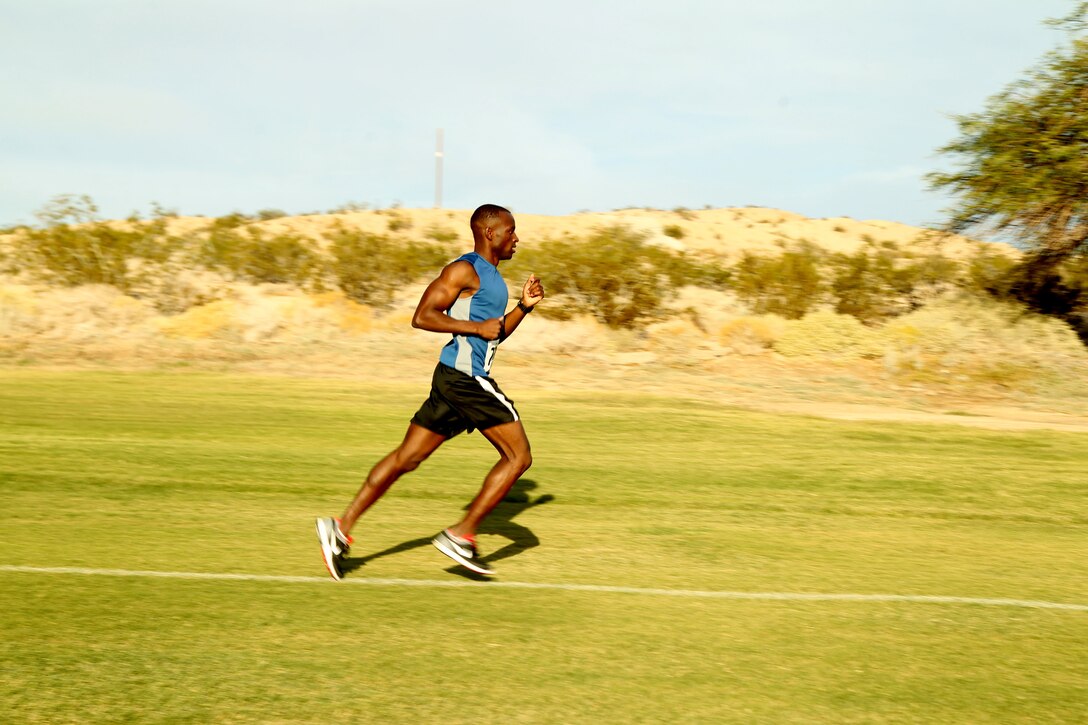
440 295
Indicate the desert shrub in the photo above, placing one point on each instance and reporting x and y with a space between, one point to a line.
75 247
750 335
968 338
686 269
398 222
280 259
251 256
158 211
443 235
1060 291
230 221
678 339
829 334
880 281
673 230
350 206
990 271
965 326
215 319
265 215
613 275
788 285
369 268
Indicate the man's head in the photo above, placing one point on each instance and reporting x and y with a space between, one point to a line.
493 227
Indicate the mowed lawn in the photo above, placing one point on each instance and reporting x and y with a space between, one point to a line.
216 473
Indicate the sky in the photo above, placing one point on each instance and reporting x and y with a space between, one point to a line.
826 109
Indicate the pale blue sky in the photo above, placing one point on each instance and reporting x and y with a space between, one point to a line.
830 108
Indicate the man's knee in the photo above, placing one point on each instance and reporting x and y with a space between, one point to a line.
407 461
522 460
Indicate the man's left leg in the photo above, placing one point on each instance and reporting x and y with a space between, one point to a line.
515 456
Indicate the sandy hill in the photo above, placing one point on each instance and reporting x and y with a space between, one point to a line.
725 232
961 357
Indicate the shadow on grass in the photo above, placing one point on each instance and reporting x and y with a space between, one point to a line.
500 522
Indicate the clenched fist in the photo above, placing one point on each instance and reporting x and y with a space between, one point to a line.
490 329
532 291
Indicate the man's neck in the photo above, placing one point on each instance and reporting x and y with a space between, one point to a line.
489 254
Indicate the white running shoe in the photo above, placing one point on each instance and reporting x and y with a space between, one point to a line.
461 551
331 549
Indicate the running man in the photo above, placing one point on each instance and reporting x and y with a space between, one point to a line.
467 300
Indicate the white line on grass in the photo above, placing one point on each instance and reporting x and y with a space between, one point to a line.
766 596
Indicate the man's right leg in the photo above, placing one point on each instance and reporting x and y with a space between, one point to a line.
418 444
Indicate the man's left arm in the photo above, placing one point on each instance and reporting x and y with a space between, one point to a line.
532 292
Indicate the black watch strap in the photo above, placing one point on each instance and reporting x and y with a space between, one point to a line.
524 308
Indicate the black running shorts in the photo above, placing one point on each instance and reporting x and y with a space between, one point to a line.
461 402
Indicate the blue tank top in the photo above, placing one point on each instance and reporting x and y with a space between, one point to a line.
470 354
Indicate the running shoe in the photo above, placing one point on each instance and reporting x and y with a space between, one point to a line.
461 551
332 551
345 541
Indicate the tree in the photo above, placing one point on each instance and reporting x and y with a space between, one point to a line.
1023 168
1025 158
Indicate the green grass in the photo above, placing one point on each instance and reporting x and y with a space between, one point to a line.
200 472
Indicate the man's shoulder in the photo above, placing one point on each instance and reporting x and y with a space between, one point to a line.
461 265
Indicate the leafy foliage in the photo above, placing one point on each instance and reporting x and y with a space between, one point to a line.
613 275
249 255
881 281
75 247
1024 159
674 230
369 268
1023 171
788 285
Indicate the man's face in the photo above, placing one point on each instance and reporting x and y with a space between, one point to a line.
505 238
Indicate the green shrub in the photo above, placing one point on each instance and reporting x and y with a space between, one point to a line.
75 247
788 285
613 275
398 222
444 235
249 255
281 259
674 230
370 268
230 221
990 271
879 281
350 206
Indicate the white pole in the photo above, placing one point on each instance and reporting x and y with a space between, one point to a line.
438 170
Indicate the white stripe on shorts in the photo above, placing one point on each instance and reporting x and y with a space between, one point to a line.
502 399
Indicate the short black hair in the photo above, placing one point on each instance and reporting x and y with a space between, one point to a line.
484 214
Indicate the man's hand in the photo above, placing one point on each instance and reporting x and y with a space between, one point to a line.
490 329
532 291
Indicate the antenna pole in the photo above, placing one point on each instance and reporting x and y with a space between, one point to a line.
438 153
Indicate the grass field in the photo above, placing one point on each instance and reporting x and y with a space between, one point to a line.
211 473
